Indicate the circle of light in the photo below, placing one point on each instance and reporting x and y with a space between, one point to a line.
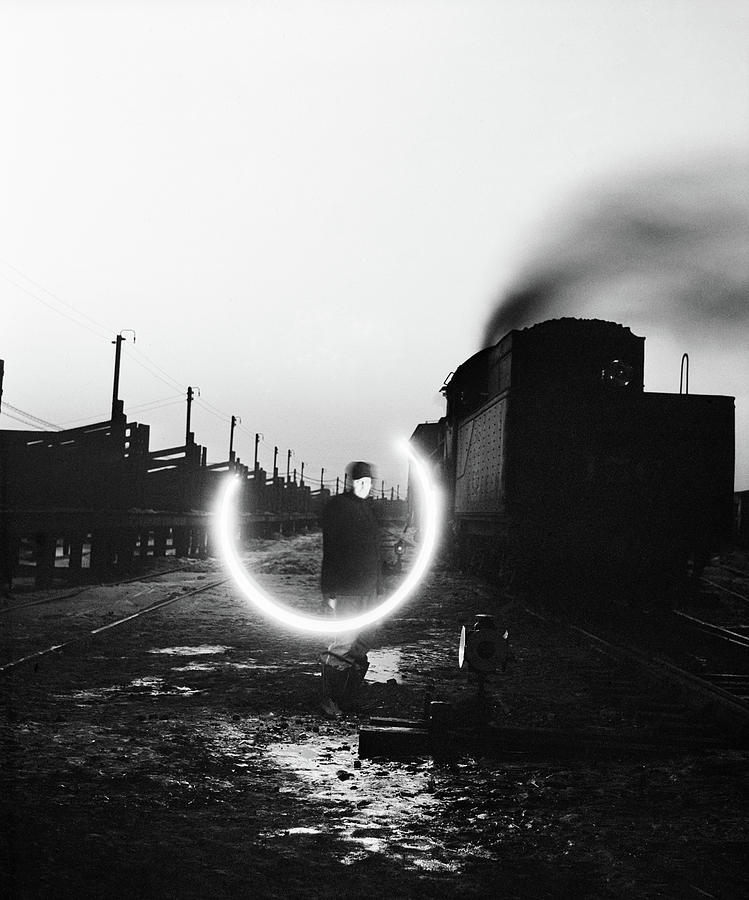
429 516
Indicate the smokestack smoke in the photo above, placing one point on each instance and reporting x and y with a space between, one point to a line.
663 250
667 254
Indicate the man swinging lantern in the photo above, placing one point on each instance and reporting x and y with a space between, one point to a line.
350 581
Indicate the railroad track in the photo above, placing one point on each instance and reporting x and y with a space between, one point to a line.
706 663
734 639
83 637
652 702
734 571
69 595
722 587
715 696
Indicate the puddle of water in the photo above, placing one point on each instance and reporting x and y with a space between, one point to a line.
194 667
202 650
155 688
369 845
180 689
386 806
228 740
436 865
99 694
381 804
253 666
156 685
384 665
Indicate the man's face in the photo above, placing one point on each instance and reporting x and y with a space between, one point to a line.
362 487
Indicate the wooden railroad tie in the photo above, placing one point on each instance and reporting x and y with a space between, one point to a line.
408 738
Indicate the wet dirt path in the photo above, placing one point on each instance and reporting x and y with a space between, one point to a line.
184 756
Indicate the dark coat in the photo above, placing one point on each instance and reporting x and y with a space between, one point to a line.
350 546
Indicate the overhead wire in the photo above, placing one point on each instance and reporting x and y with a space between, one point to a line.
34 425
217 415
16 418
143 407
104 332
81 315
171 382
315 480
214 408
167 378
28 415
156 404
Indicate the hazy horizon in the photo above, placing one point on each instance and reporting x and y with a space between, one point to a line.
313 212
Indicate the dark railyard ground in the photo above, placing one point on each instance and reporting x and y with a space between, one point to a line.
182 755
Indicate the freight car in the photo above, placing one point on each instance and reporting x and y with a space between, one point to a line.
563 474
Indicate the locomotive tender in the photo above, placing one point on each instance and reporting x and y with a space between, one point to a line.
563 473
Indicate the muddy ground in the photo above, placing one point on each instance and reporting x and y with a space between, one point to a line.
183 755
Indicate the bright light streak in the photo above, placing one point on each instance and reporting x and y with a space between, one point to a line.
428 520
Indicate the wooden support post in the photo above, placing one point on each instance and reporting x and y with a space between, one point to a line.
396 740
126 539
98 561
159 541
9 558
46 550
197 543
181 539
75 563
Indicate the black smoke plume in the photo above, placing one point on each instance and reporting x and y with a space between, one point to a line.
664 250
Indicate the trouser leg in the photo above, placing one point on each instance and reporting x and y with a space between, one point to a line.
344 665
345 661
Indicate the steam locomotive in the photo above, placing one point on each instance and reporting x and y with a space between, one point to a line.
561 473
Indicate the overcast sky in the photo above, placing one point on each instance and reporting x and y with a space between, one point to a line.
311 210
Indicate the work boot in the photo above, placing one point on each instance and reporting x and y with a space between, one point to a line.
330 708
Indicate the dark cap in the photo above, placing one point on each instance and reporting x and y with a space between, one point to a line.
359 469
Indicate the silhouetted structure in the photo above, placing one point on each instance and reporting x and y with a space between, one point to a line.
560 468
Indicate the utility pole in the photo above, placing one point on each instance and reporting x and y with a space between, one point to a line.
322 475
275 463
301 477
190 393
234 421
257 441
2 375
288 465
117 357
337 484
